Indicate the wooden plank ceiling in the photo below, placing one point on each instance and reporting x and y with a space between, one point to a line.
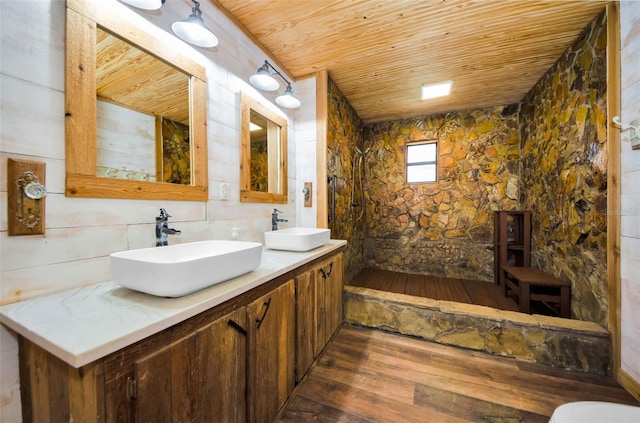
380 52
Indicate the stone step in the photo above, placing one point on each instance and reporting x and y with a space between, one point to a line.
553 341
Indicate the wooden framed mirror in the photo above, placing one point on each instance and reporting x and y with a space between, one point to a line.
120 68
263 153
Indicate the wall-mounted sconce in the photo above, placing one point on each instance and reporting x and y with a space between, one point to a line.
635 130
265 80
192 29
25 197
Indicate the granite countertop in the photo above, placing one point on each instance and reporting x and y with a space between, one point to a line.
82 325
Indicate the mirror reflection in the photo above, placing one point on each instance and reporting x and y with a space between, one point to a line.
263 176
265 150
142 114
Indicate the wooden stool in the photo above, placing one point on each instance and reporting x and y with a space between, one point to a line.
535 285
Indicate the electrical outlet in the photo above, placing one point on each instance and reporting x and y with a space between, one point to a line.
224 191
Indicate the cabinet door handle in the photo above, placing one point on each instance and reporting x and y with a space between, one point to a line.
264 314
237 327
132 389
325 275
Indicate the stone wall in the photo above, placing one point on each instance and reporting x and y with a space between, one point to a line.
259 164
569 344
564 169
344 134
443 228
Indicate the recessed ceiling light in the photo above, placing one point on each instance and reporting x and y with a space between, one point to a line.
436 90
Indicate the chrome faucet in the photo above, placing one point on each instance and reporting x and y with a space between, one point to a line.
163 230
275 220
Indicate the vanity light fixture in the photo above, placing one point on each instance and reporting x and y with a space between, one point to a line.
145 4
192 29
287 99
440 89
265 80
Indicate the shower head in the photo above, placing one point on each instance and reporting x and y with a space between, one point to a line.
362 153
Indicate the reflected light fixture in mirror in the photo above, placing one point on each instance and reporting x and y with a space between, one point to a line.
264 80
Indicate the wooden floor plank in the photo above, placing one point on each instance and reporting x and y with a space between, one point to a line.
435 287
303 409
446 291
369 406
369 379
457 292
472 409
416 286
398 283
367 375
431 286
488 294
473 385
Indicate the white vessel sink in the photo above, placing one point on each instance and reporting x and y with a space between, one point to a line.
180 269
296 239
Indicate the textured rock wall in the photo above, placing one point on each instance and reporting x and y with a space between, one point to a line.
176 152
564 169
344 134
443 228
259 164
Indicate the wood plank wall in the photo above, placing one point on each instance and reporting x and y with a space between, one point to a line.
81 233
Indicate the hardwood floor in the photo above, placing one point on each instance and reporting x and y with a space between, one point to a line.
435 287
366 375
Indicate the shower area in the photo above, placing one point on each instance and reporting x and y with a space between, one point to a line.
422 239
434 237
508 157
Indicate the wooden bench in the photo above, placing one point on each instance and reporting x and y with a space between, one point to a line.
535 285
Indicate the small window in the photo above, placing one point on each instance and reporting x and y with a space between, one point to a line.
422 162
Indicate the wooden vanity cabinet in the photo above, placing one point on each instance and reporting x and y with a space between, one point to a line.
319 310
233 363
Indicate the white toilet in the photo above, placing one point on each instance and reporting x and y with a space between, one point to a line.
595 412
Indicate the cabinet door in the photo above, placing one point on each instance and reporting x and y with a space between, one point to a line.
200 378
329 299
333 296
167 382
271 324
222 348
306 322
